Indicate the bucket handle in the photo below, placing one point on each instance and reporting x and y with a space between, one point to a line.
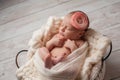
16 58
106 57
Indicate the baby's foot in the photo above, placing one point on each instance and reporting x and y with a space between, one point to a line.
45 56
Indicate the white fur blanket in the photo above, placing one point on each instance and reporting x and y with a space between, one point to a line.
79 65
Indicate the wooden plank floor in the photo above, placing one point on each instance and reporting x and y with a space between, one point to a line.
19 18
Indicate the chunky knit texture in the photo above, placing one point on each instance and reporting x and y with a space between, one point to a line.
86 67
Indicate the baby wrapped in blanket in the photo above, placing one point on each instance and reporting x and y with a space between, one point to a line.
66 40
61 51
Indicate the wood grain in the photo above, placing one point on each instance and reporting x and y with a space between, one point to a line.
25 8
8 3
19 18
8 70
113 66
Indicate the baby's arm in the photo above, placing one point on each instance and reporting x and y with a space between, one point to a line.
57 40
70 44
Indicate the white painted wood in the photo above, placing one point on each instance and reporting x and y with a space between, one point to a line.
25 8
11 46
113 33
105 17
113 66
8 70
19 18
7 3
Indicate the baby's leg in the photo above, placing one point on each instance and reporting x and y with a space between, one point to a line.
46 57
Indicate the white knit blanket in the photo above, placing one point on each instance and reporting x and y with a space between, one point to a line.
79 65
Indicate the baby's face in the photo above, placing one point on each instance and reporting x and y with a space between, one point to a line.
74 25
70 32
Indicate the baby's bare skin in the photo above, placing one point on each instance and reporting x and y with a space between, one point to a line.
66 41
60 53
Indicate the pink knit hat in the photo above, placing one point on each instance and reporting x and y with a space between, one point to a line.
79 20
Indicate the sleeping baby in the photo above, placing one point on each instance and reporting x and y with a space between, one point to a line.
68 39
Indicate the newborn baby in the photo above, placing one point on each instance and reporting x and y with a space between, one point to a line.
66 40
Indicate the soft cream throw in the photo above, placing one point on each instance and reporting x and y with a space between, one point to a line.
82 64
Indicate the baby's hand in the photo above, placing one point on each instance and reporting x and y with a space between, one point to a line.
57 40
70 44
